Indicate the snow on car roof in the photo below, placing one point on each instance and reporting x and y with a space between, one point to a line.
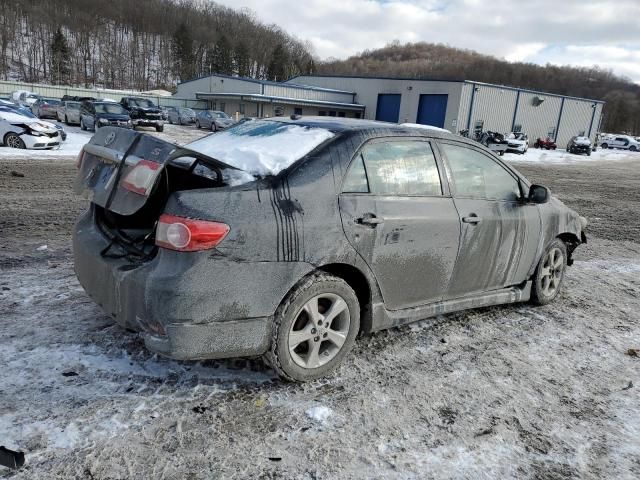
261 147
13 117
425 127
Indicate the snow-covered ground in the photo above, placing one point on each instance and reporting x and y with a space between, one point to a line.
536 155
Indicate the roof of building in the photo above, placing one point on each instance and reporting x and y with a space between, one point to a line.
269 82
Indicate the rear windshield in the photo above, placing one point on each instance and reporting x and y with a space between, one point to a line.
73 105
141 102
188 111
109 108
261 147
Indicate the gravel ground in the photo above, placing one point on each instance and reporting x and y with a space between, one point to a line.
506 392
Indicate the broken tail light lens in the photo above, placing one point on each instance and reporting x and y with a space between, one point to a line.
187 235
142 177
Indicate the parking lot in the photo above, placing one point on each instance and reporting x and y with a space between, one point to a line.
504 392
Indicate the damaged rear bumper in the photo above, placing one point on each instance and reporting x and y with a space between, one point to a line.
188 306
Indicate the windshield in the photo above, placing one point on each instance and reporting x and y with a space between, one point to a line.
261 147
110 108
17 110
51 101
219 115
141 102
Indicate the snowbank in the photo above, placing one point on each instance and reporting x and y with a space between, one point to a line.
563 157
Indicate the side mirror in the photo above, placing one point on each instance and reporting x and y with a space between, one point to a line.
539 194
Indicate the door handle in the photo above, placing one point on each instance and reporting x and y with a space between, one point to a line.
369 219
473 218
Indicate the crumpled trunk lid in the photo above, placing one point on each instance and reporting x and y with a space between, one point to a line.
107 160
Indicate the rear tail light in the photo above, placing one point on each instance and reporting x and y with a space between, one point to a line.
142 177
187 235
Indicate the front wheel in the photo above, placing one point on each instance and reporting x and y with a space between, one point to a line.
159 128
633 148
13 140
547 279
604 145
315 327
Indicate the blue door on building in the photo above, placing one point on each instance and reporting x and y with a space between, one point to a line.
388 109
432 110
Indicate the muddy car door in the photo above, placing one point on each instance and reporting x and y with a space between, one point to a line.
500 232
402 222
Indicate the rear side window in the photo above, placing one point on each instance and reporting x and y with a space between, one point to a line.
401 168
477 175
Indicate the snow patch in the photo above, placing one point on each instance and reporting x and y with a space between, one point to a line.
559 157
261 147
319 413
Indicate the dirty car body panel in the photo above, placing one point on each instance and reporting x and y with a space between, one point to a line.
411 249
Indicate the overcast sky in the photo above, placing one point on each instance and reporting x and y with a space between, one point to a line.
582 32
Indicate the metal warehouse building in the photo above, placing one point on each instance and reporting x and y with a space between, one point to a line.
454 105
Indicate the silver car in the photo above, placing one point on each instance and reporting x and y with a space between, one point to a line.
69 112
181 116
213 119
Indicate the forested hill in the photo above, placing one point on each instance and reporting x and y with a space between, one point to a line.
424 60
140 44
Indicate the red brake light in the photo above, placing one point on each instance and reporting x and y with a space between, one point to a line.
142 178
187 235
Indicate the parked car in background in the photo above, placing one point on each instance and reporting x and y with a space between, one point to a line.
94 115
27 113
68 111
76 98
623 142
579 145
18 130
494 141
143 112
24 97
546 144
181 116
369 225
213 120
517 142
45 107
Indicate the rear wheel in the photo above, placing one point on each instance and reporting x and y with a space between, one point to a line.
197 124
547 279
314 328
604 145
633 148
13 140
159 128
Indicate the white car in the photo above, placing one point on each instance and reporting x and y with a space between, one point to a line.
624 142
517 142
20 131
24 97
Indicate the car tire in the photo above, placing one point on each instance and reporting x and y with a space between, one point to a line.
549 274
316 354
198 125
13 140
159 128
82 125
604 145
633 148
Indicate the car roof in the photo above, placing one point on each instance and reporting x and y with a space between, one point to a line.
372 127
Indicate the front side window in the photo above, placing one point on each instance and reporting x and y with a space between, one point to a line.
401 168
476 175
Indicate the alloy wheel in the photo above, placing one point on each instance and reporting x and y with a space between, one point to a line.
551 273
319 330
14 141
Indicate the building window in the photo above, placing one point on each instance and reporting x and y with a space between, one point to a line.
322 113
517 128
341 114
241 108
332 113
582 133
222 106
212 105
297 111
356 114
552 132
278 111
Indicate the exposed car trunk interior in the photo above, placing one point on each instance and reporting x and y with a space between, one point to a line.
133 236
